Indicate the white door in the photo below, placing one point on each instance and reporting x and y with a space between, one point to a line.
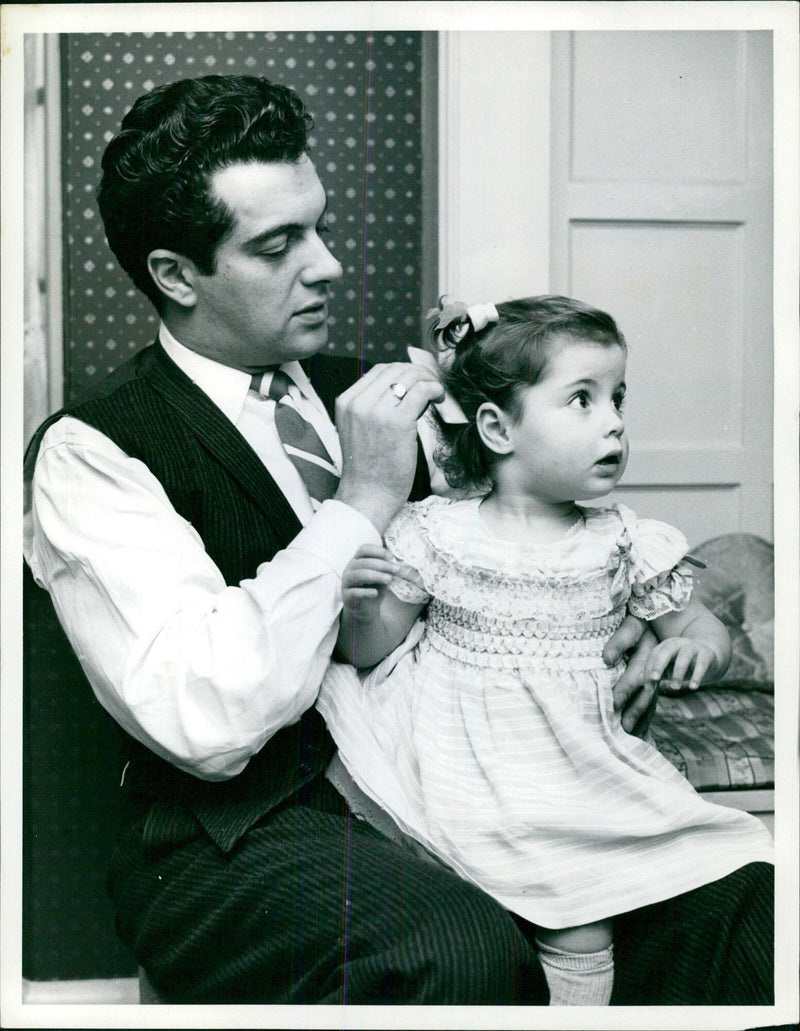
661 188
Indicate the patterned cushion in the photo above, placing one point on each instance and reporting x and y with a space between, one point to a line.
718 737
738 587
722 736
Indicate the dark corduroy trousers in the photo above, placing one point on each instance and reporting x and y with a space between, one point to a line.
314 906
713 946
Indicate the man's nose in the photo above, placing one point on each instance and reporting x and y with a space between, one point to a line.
322 266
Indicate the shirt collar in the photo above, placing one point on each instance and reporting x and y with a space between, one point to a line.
225 386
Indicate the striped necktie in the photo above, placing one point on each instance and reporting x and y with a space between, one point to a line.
300 440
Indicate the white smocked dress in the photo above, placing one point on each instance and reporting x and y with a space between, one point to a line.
490 734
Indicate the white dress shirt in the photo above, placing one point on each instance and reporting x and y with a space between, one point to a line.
254 416
201 673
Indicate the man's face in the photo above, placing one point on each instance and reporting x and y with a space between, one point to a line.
267 300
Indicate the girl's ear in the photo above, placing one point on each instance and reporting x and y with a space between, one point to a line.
174 275
493 425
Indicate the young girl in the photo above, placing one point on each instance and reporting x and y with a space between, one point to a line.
488 730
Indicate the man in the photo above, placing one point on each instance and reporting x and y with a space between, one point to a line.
192 530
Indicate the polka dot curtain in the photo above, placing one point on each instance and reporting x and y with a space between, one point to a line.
364 92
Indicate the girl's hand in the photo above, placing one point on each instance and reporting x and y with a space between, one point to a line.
369 571
682 654
374 620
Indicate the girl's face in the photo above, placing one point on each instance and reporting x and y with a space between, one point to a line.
569 443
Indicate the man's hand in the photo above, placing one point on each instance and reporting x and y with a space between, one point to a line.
377 423
634 692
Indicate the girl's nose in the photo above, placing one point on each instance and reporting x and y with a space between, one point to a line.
616 426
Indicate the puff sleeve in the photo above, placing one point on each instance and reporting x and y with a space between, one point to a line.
660 579
408 542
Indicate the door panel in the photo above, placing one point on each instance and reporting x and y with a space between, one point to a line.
658 106
661 214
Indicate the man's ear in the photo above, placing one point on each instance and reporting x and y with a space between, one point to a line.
493 425
174 275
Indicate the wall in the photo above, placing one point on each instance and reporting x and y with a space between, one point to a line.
365 93
494 164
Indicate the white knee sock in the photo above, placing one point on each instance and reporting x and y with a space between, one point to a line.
578 978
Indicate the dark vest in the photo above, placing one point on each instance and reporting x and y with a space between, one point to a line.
154 413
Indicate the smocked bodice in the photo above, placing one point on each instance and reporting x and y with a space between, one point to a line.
476 640
498 604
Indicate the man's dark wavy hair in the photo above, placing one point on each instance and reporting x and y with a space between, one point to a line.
154 190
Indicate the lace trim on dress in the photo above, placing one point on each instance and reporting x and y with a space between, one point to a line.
667 592
614 552
438 533
408 591
528 590
652 555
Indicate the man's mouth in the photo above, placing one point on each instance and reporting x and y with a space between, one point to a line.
314 313
313 309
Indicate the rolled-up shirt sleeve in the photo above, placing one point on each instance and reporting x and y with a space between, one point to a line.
200 672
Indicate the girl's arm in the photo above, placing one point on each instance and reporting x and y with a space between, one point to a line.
374 620
693 642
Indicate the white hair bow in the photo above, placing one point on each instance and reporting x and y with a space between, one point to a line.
458 317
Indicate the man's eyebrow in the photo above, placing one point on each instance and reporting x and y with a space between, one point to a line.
284 228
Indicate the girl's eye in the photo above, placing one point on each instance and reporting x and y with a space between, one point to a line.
580 400
619 401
